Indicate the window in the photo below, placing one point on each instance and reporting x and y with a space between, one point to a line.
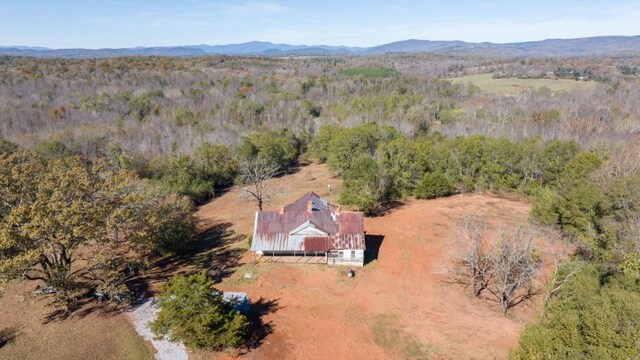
353 253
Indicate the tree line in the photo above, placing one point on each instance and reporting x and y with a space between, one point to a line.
152 107
592 197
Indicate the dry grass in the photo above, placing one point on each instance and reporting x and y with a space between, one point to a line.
92 335
512 86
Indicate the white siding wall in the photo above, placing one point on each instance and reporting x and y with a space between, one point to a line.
348 257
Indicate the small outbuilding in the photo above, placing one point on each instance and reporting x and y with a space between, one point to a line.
310 227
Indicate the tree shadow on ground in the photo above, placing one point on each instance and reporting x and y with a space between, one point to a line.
259 329
386 208
213 250
372 244
294 169
8 335
283 172
82 306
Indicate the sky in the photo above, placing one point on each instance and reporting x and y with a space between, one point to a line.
131 23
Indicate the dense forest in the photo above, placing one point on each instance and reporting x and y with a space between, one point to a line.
392 127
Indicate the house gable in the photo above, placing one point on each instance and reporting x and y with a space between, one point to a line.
308 229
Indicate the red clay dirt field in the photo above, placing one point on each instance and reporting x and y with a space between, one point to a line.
398 306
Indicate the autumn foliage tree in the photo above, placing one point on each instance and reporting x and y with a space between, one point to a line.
51 210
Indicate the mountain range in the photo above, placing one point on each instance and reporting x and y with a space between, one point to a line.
588 46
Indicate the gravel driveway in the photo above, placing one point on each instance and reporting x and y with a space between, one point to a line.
165 350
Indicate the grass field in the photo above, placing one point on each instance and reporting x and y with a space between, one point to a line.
370 72
511 86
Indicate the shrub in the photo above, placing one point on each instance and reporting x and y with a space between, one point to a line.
193 311
591 318
580 209
7 147
545 209
170 224
52 149
433 185
215 162
361 187
360 140
278 147
181 175
319 146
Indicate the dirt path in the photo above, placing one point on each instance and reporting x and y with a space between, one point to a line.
395 307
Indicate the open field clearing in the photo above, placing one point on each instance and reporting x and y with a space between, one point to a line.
396 307
512 86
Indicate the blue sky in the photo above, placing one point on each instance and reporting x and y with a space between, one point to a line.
129 23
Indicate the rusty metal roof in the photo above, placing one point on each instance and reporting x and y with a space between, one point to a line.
311 198
319 226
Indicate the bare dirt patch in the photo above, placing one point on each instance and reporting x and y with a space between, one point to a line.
397 306
234 209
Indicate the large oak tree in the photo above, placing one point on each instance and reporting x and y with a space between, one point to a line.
63 220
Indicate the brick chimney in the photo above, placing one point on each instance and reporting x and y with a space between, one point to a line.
309 206
282 209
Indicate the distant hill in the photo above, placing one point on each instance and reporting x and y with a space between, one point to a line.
103 53
552 47
413 46
581 46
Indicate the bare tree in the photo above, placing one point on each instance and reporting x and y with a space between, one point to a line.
558 279
471 255
254 174
505 268
623 162
514 262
